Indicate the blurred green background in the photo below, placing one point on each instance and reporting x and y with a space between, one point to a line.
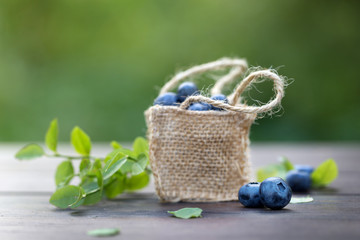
99 64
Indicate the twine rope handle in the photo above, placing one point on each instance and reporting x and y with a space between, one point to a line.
239 66
278 88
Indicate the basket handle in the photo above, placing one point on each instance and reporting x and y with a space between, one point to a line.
239 66
278 87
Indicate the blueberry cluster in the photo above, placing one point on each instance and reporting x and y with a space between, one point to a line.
185 90
273 193
299 179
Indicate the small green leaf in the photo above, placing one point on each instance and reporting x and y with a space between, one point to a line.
133 166
273 170
116 186
186 213
301 199
30 151
127 152
51 137
137 182
90 187
81 141
112 166
140 146
97 163
67 196
115 145
93 198
115 153
104 232
64 173
286 163
143 160
84 167
325 173
93 189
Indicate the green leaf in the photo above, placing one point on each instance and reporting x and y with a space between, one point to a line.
85 166
112 166
301 199
115 153
133 166
103 232
143 161
140 146
90 187
273 170
137 182
51 137
30 151
127 152
286 163
186 213
116 186
93 198
325 173
81 141
93 189
64 173
67 196
115 145
97 163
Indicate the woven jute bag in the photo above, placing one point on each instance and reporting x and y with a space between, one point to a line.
203 155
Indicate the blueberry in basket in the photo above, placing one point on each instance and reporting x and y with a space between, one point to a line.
249 195
219 97
199 107
166 99
186 89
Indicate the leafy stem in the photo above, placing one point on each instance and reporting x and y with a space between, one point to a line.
58 155
119 171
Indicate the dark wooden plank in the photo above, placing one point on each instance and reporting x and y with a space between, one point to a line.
142 216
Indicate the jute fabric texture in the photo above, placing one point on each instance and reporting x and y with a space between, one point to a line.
203 155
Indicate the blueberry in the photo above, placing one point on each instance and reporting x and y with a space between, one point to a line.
219 97
249 195
275 193
304 168
166 99
298 181
186 89
199 107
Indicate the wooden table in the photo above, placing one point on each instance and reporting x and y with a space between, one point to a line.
25 213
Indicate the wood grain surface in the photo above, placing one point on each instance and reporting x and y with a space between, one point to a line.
25 213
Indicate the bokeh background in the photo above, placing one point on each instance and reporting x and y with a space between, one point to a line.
99 64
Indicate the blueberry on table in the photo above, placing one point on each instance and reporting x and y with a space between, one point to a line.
298 181
199 107
275 193
305 168
219 97
166 99
249 195
186 89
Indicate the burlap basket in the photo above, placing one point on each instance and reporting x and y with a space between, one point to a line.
203 155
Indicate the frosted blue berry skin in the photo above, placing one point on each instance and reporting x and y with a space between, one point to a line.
219 97
166 99
199 107
186 89
249 195
305 168
275 193
298 181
